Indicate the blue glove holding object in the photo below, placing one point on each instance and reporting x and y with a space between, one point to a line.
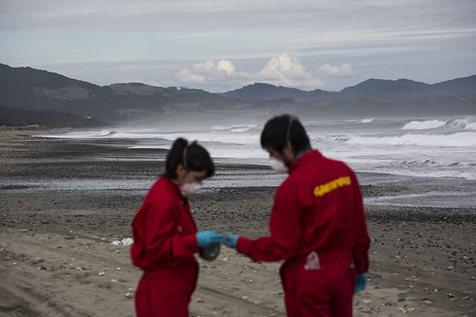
206 239
360 282
230 239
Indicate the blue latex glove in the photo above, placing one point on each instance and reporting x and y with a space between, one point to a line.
205 239
360 282
230 239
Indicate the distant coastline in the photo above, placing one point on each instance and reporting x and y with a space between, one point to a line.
30 89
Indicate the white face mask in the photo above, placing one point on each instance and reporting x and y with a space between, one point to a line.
190 188
277 165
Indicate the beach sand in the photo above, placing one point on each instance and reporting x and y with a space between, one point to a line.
56 256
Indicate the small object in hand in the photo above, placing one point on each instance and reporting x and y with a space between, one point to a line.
211 253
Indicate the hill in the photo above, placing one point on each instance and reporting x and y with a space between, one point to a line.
32 89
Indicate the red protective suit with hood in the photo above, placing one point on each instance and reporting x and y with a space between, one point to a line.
164 246
317 225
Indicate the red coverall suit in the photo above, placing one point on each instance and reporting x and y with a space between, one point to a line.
164 247
317 225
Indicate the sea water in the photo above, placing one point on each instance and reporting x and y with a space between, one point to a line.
437 148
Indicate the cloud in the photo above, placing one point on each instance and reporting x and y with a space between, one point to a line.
286 70
282 70
210 71
187 75
344 70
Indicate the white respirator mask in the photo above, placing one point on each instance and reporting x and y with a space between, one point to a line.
190 188
277 165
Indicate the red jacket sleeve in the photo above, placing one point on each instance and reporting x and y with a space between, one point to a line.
285 229
362 240
155 228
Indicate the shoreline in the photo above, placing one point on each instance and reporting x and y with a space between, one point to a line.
422 258
79 160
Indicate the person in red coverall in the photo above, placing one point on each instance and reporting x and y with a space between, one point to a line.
165 235
317 225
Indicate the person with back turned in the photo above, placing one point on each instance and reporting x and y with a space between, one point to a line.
317 225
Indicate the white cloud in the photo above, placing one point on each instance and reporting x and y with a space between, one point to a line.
210 71
286 70
226 66
187 75
282 70
344 70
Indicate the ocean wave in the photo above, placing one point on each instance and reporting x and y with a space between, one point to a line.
80 135
330 139
234 128
367 120
459 139
220 128
471 126
453 124
226 137
424 125
434 173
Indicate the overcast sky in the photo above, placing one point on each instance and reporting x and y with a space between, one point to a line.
222 45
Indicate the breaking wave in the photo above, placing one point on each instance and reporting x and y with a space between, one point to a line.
459 139
455 124
423 125
367 120
81 135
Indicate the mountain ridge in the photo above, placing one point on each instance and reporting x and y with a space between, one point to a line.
32 89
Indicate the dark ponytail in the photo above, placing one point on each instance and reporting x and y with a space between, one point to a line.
193 157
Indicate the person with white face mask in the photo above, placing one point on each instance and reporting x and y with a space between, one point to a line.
166 237
317 225
280 164
188 184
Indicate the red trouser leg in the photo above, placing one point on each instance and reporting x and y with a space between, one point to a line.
341 303
151 301
308 296
170 307
292 309
141 300
321 293
298 307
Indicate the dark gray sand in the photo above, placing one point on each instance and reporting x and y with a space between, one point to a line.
56 257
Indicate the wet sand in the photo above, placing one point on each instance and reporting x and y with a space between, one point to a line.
56 257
